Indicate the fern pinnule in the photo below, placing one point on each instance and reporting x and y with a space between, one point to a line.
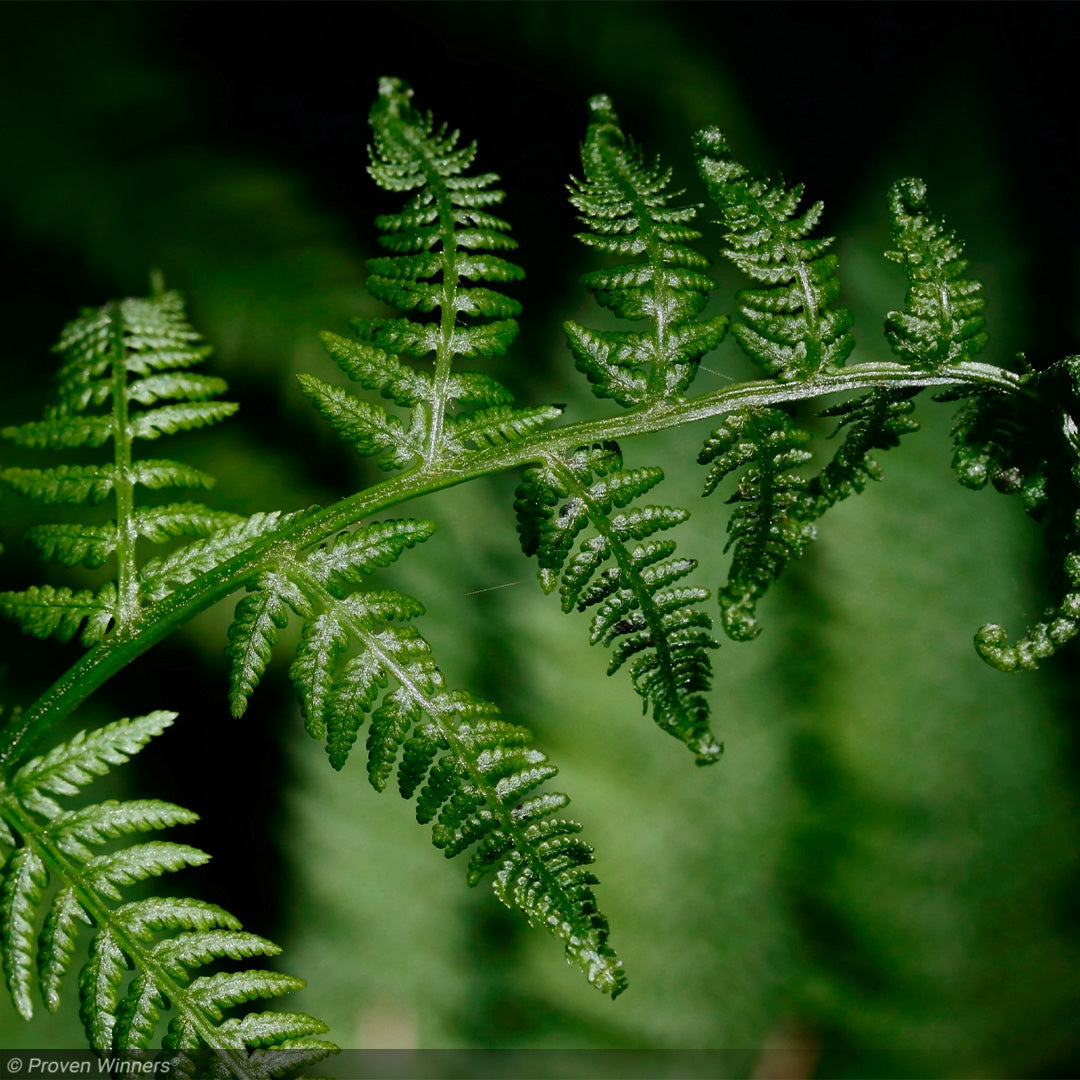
651 623
125 376
624 204
793 326
480 774
161 939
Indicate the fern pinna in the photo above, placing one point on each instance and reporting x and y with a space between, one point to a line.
472 773
125 377
624 205
143 953
441 243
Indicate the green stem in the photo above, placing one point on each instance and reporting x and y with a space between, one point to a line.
127 585
444 354
156 622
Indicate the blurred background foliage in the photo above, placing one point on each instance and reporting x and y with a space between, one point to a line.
883 869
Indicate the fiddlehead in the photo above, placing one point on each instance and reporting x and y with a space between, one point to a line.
1023 443
126 376
143 952
441 243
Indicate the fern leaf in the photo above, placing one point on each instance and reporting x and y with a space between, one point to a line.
942 322
476 794
74 545
63 484
159 941
24 879
360 658
793 328
61 433
367 427
57 944
371 362
1026 444
320 586
77 830
665 635
441 263
499 425
170 520
353 556
774 507
124 376
72 765
625 205
159 473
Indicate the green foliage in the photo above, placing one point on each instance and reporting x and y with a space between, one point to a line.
773 519
624 205
478 769
641 611
359 656
942 321
441 243
115 359
793 327
143 952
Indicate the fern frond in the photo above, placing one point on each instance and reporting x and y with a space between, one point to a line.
942 322
652 623
441 247
360 659
625 205
161 939
793 327
772 522
124 376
